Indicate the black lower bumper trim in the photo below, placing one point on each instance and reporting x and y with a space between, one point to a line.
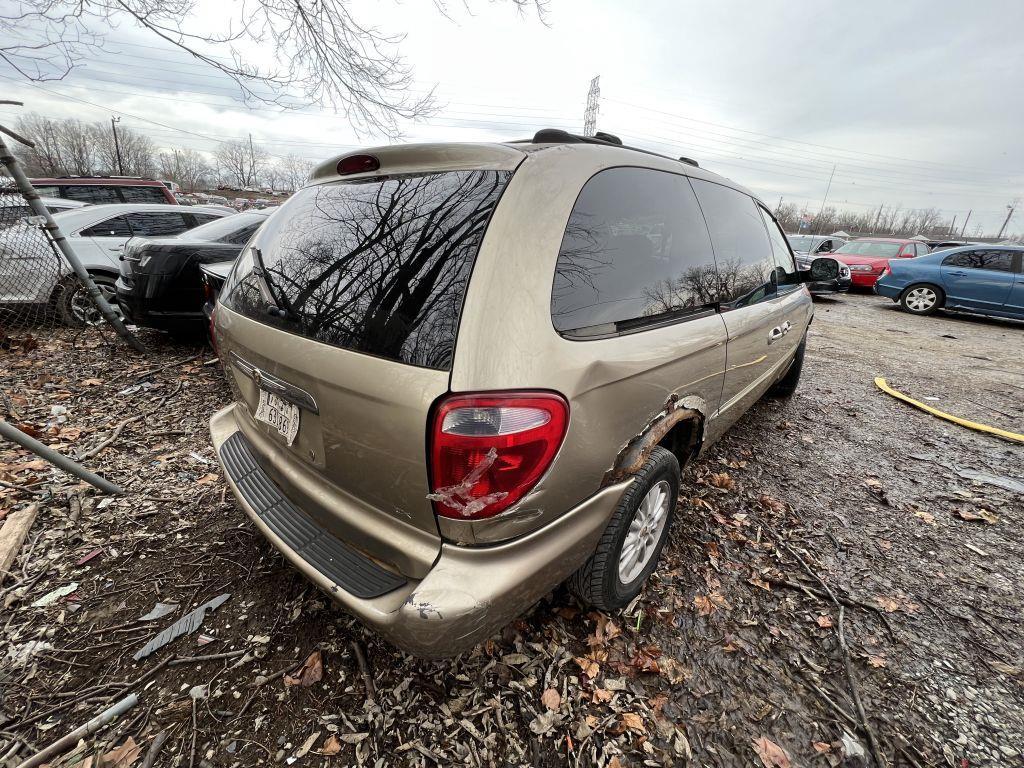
350 570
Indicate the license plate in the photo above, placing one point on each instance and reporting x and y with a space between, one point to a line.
279 414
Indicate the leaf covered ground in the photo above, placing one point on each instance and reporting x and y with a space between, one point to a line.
841 586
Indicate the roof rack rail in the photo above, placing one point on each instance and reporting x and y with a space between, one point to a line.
558 136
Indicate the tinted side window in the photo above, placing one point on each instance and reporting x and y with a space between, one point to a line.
90 193
999 261
143 194
157 224
115 227
241 237
203 218
635 251
743 252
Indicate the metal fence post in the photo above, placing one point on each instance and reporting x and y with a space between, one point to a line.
9 161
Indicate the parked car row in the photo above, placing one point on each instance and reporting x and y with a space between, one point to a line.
98 234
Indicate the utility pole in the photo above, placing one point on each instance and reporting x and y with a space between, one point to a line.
964 230
593 105
817 222
117 145
250 179
952 227
1009 212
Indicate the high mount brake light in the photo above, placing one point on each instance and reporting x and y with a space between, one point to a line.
488 451
357 164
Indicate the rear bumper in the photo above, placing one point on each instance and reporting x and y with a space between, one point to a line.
891 291
465 595
864 279
137 310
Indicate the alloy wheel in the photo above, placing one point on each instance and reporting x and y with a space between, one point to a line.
644 532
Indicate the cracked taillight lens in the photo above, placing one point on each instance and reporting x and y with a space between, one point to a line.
488 451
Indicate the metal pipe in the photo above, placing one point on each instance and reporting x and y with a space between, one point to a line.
59 460
57 237
62 745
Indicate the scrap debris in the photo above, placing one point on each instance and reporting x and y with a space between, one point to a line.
187 624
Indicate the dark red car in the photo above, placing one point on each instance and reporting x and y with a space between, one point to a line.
867 257
105 189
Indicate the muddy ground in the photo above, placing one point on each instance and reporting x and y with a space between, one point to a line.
839 497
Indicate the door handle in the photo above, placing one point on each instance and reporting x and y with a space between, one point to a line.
958 273
779 331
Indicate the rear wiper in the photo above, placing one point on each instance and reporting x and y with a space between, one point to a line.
279 304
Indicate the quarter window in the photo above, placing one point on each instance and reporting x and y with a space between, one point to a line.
743 252
635 252
147 194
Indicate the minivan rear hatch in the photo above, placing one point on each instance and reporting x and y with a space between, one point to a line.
338 323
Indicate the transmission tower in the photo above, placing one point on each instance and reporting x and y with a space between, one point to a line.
593 99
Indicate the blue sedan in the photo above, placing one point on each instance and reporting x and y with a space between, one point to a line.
985 279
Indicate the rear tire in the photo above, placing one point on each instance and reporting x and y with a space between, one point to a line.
73 305
922 299
786 386
639 526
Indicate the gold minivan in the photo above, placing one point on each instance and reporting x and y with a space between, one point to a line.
464 373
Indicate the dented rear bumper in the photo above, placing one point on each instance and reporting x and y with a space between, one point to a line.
466 594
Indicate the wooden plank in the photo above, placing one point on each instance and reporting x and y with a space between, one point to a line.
12 535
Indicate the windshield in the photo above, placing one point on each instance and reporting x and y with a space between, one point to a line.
801 242
225 227
376 265
870 248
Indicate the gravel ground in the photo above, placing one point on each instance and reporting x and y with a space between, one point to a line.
836 585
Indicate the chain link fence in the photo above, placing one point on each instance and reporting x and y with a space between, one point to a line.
38 289
42 280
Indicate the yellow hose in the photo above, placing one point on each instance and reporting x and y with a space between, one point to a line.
882 385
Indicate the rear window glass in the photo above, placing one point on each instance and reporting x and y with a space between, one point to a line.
157 223
377 266
133 194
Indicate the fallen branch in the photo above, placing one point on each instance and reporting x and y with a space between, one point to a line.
849 602
364 670
154 750
62 745
876 751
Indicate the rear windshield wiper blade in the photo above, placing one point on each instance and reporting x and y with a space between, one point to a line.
279 304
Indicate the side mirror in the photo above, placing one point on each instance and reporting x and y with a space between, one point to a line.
823 270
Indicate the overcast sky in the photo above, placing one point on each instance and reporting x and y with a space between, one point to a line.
916 103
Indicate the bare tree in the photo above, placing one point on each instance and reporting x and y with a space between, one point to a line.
186 167
320 52
137 152
294 171
240 162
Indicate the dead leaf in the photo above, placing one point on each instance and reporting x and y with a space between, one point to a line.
981 514
605 630
721 480
590 667
887 604
601 696
122 756
310 673
551 698
92 382
825 621
759 583
771 754
821 747
331 747
926 516
876 661
205 479
706 605
633 722
1006 669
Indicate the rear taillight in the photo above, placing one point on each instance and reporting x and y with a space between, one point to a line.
488 451
213 329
